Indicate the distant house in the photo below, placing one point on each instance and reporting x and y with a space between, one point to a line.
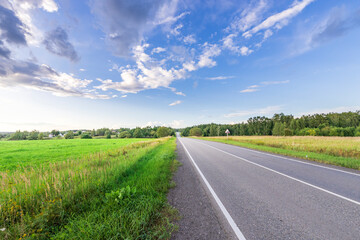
52 136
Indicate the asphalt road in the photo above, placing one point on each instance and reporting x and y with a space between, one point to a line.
266 196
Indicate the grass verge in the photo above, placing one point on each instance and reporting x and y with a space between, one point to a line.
284 150
120 194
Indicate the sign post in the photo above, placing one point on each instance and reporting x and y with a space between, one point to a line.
227 134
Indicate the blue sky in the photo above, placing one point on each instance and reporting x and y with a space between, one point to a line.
89 64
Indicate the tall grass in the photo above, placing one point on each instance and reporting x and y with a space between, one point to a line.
36 203
341 151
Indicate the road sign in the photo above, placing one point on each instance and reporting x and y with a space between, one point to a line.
227 133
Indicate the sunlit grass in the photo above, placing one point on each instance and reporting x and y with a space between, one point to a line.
341 151
72 199
16 154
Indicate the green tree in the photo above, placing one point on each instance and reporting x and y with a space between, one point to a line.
213 131
195 131
34 135
138 133
55 132
163 132
85 135
279 129
108 134
69 135
41 136
125 134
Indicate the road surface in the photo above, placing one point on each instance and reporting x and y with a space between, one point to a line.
265 196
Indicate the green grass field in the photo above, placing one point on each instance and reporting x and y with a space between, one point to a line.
114 194
340 151
34 153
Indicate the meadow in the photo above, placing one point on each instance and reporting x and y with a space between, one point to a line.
20 154
340 151
119 193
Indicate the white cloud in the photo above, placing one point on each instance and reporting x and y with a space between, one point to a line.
171 19
175 103
190 66
228 43
176 31
250 16
150 73
245 51
177 124
189 39
219 78
82 69
255 112
281 19
180 94
24 11
158 50
124 96
210 51
173 124
255 88
249 90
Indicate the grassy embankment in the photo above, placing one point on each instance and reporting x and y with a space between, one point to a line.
15 154
117 194
340 151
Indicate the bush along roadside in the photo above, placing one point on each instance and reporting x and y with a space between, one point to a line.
117 195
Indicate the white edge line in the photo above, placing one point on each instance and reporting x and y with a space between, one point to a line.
282 174
294 160
233 225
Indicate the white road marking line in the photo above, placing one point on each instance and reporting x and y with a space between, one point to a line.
273 155
233 225
282 174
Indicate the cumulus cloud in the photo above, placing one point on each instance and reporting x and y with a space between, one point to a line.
281 19
24 10
270 110
42 77
150 73
12 29
189 39
175 103
57 42
125 22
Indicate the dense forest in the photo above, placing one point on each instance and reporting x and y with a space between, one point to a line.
345 124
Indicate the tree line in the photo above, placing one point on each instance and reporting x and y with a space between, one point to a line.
146 132
346 124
